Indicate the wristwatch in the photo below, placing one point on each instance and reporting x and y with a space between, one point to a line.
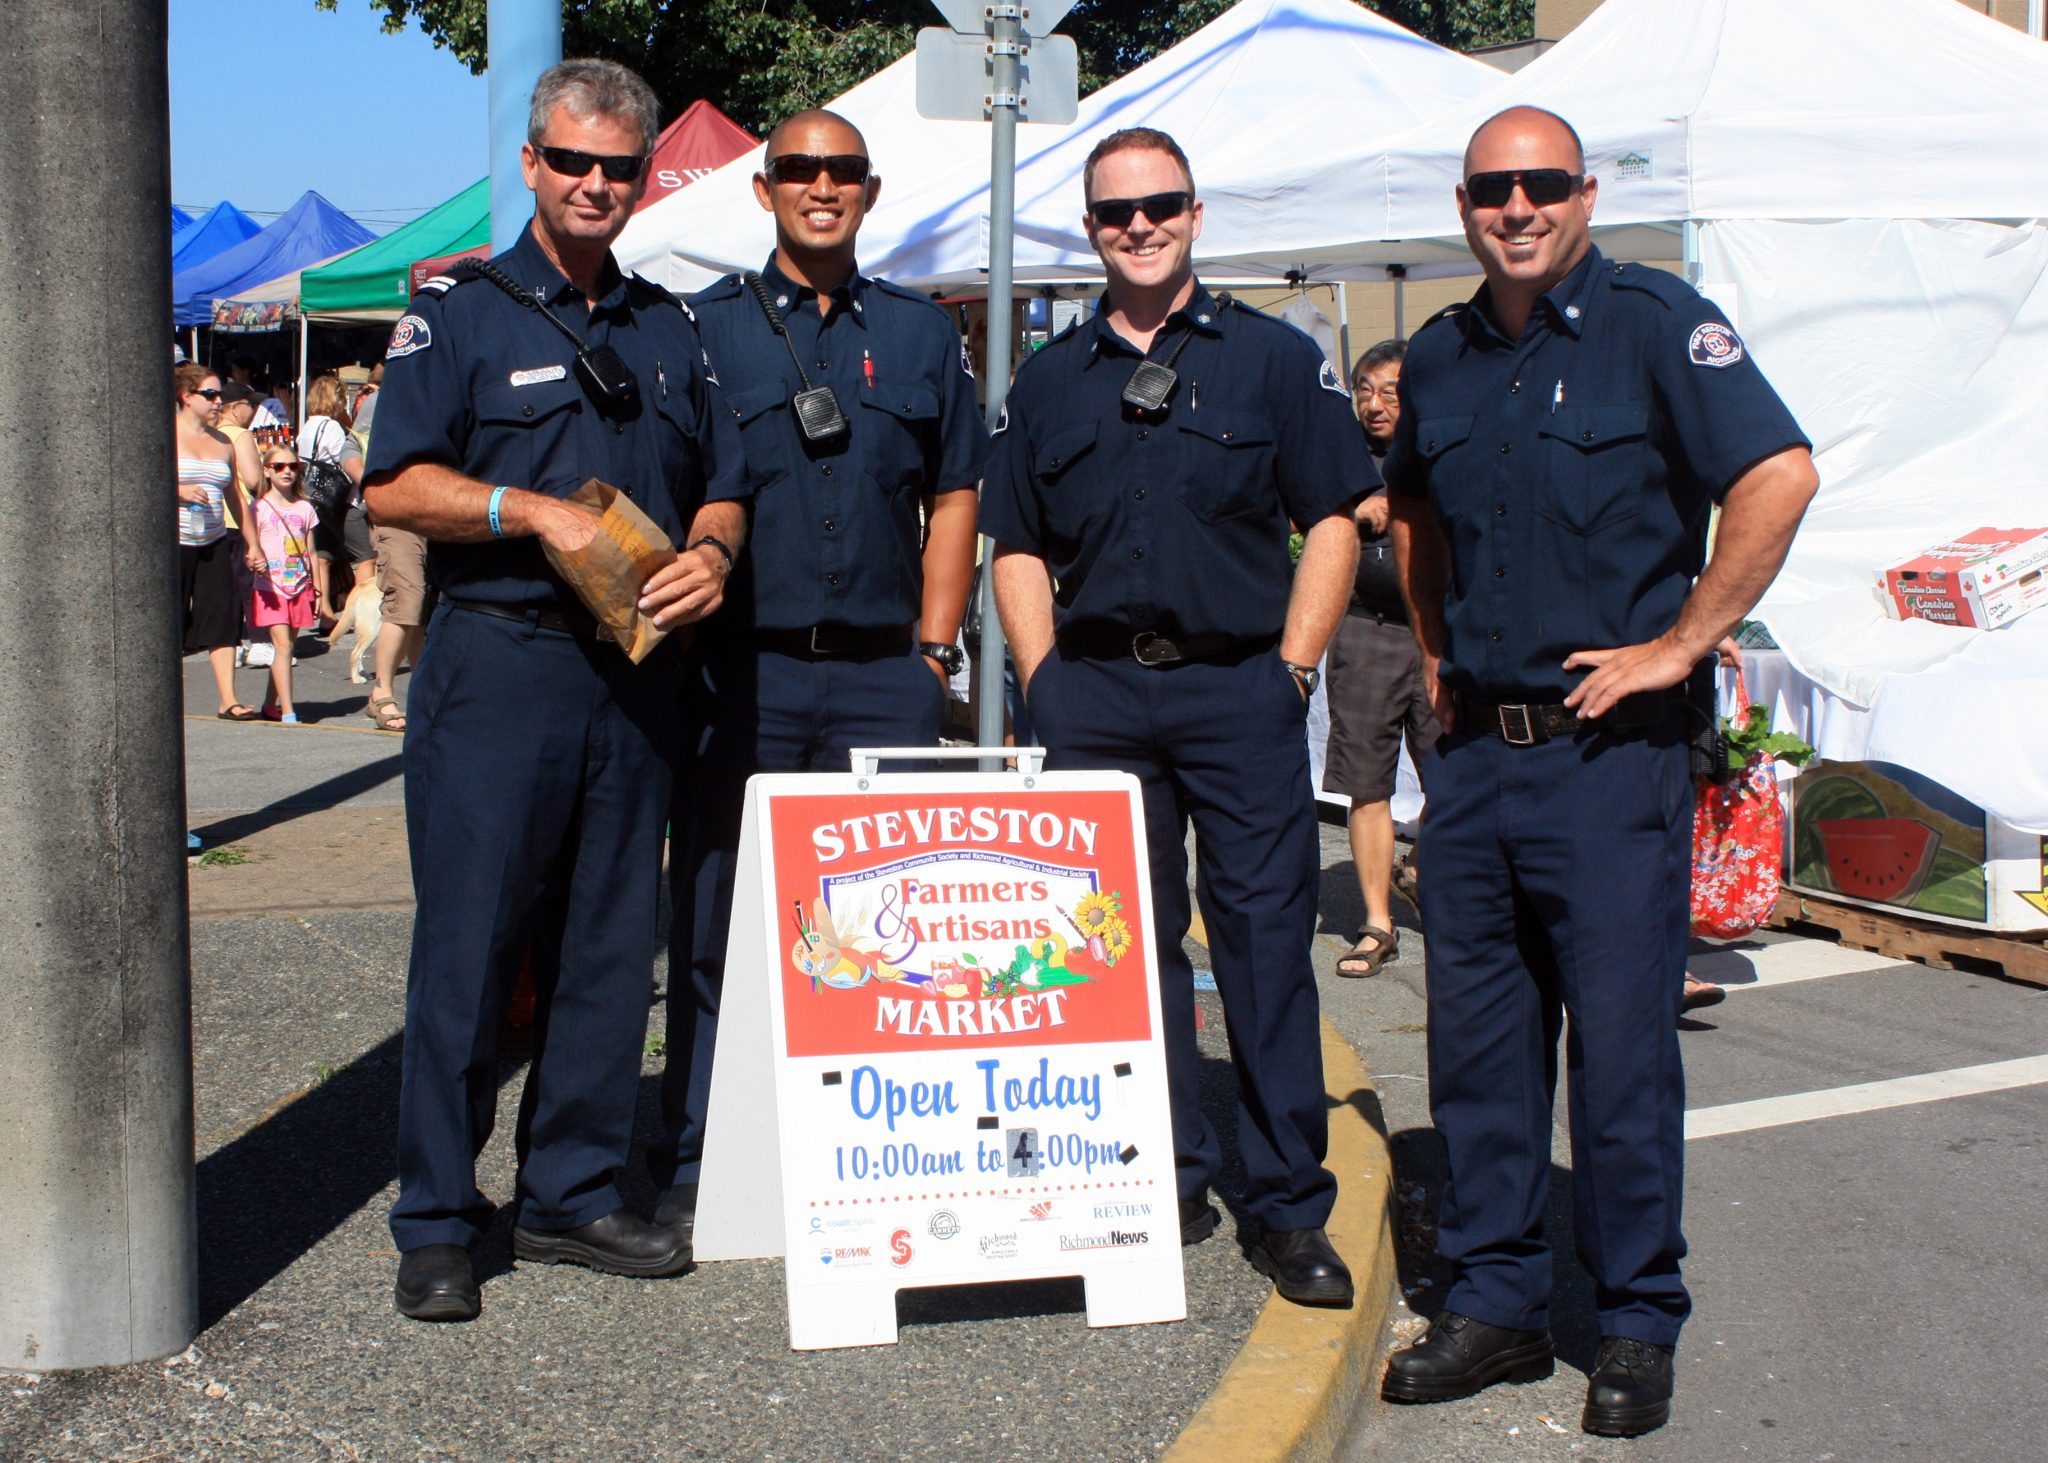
951 658
1305 676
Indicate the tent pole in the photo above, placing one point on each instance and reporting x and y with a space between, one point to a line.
305 356
1398 273
2036 12
1343 326
1689 232
193 353
1005 32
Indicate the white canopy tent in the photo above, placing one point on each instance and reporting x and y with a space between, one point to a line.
1297 76
1693 110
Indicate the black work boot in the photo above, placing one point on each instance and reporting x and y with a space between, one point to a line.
1629 1391
1460 1356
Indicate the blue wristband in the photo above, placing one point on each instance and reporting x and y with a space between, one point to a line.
497 497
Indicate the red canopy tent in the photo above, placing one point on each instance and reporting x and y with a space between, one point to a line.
701 139
697 142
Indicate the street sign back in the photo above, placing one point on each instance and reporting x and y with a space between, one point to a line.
971 17
956 79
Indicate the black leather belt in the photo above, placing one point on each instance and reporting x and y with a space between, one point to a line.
1524 725
830 640
1148 647
568 622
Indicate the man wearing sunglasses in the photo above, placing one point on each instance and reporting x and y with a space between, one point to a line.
864 445
538 758
1561 440
1141 493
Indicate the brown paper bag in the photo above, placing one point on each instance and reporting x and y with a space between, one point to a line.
608 572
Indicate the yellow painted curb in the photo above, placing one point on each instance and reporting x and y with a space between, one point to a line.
1291 1390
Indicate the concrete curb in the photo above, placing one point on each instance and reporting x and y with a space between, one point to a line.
1290 1392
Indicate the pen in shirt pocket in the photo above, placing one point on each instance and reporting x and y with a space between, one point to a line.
1557 397
867 369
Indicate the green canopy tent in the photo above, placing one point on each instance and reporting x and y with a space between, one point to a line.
373 283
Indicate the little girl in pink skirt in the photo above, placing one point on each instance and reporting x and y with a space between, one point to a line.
287 594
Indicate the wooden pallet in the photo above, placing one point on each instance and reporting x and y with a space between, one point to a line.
1902 938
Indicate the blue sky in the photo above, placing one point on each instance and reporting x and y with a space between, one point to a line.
272 97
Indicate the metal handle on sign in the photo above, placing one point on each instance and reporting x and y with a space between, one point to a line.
1030 760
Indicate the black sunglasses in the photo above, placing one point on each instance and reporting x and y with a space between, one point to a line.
281 466
1541 186
210 393
622 168
844 168
1117 213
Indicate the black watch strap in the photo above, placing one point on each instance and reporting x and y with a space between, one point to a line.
951 657
718 544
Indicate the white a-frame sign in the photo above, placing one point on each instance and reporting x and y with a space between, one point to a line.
939 1054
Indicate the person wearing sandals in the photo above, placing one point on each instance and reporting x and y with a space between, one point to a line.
206 546
286 597
1375 685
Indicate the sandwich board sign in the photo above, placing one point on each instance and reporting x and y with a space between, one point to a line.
939 1051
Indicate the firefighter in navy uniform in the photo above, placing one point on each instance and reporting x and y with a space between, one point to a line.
1141 495
1560 443
538 758
842 619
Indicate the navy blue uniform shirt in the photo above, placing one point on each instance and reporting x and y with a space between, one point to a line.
837 538
1572 471
476 382
1174 521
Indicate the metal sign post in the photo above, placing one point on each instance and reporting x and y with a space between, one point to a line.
969 82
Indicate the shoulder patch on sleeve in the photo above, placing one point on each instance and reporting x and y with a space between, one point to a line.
409 336
1329 380
1714 344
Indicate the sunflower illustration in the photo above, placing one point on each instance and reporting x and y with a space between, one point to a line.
1096 912
1116 940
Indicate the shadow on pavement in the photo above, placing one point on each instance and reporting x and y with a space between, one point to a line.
1419 1170
331 793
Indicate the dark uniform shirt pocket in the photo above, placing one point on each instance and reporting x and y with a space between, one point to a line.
895 438
759 412
1593 461
1229 465
522 431
1066 504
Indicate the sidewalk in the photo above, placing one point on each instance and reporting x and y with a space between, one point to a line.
299 961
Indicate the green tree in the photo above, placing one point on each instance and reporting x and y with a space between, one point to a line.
760 60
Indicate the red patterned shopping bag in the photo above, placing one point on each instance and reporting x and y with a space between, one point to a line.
1738 825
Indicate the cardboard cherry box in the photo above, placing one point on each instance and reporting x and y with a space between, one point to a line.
1982 579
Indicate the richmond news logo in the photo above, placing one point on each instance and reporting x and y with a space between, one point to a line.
1114 1239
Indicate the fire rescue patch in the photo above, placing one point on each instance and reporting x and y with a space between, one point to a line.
1329 380
409 335
1714 344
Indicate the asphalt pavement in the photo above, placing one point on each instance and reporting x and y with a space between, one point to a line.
299 956
1868 1280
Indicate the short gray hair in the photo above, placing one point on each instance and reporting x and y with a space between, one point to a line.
592 88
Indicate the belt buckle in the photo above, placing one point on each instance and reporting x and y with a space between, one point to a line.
1148 647
816 648
1530 726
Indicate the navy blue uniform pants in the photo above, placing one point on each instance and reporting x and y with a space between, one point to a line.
1558 886
764 711
537 777
1222 743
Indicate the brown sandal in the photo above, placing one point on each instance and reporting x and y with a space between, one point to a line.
385 711
1375 948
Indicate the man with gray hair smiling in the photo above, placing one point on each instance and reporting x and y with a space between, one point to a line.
538 756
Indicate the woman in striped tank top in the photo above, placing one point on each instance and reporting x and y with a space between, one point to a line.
206 548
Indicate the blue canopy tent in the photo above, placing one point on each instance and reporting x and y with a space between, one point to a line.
179 218
220 228
311 230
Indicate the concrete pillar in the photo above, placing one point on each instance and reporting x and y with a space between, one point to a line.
525 39
97 1238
